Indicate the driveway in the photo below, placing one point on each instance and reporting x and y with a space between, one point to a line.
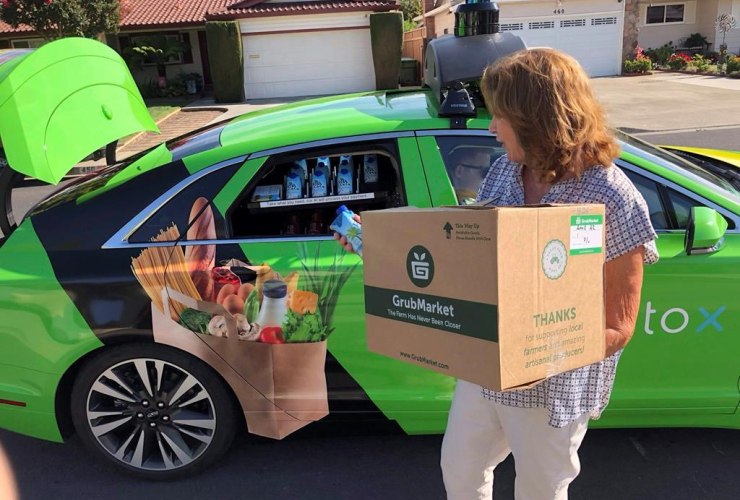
670 102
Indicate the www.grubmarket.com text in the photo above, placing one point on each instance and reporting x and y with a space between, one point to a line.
423 359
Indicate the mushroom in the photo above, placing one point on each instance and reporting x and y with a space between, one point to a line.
252 333
217 326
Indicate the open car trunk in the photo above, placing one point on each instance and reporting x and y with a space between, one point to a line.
59 103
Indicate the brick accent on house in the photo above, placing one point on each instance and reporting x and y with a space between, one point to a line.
428 6
631 29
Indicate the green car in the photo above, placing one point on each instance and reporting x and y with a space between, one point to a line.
164 302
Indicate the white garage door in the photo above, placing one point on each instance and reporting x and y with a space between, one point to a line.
304 64
596 41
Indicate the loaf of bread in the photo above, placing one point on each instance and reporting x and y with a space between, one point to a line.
201 258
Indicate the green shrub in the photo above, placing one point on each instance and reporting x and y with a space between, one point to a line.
695 40
733 64
638 66
660 56
177 86
735 74
227 61
386 37
700 63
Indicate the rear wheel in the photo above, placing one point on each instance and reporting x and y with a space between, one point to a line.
153 411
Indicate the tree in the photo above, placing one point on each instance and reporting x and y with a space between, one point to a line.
410 9
54 19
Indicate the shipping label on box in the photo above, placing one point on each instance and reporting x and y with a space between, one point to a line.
503 297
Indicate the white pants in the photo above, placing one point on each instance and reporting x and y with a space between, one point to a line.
481 434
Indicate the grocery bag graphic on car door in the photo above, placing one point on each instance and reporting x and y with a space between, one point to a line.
263 331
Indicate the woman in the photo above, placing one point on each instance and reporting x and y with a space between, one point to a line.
558 150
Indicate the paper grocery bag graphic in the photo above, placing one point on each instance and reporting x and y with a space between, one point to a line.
281 387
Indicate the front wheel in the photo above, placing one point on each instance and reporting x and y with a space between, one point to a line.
153 411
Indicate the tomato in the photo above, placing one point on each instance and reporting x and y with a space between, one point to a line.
272 335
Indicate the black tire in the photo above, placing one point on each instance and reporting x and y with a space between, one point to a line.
136 440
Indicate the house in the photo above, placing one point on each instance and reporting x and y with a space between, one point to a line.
291 48
305 47
664 22
599 33
180 19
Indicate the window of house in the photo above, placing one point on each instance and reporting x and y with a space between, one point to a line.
184 57
664 14
34 43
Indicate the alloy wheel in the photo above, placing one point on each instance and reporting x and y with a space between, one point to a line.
151 414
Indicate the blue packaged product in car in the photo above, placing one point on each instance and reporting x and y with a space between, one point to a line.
294 186
346 225
319 184
370 168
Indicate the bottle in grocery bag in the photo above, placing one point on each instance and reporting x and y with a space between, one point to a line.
321 178
346 225
274 307
344 176
370 168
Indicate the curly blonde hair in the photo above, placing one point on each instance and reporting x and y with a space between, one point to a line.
547 98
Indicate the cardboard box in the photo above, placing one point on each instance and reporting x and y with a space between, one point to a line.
503 296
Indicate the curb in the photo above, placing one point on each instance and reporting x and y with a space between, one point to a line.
204 108
136 136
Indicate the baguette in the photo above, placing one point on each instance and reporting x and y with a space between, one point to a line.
201 259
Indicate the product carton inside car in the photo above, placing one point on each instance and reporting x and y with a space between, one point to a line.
502 296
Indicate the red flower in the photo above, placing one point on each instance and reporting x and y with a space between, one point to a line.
6 3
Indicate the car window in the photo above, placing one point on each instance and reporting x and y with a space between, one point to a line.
297 194
681 206
650 191
679 165
467 160
181 208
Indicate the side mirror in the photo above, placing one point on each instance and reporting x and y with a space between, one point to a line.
705 232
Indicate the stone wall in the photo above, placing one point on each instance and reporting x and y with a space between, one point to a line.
631 29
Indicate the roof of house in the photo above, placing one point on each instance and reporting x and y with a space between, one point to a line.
142 14
260 8
150 13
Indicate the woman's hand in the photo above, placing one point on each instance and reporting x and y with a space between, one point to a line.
623 283
343 241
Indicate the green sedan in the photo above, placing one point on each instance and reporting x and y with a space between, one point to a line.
159 305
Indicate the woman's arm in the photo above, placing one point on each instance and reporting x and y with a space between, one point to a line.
623 280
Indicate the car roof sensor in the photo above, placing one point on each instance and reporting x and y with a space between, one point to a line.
451 61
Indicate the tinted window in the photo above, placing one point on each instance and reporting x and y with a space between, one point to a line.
182 208
678 165
467 160
649 190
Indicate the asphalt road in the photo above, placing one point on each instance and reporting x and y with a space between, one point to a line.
333 462
660 464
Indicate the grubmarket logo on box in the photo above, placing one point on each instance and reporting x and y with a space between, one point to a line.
554 259
420 266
